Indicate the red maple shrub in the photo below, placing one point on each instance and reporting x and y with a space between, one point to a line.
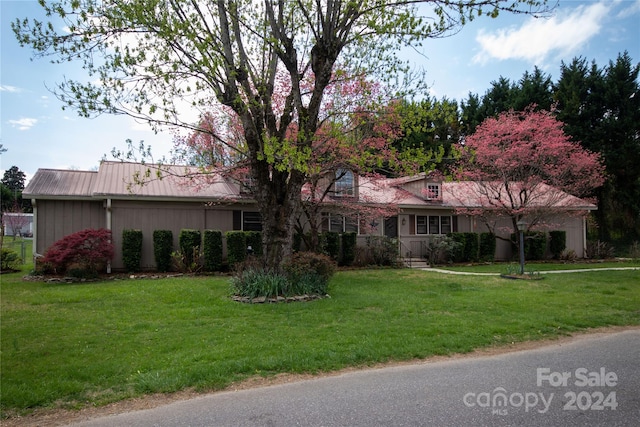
88 250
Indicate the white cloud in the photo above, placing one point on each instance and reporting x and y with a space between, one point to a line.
24 123
12 89
538 38
629 9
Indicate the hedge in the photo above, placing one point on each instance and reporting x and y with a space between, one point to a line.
535 244
332 244
349 242
212 250
557 242
162 248
189 241
487 251
254 239
469 247
132 249
236 247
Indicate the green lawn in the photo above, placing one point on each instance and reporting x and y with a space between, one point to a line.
502 267
70 345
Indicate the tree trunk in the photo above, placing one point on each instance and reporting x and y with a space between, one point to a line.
279 201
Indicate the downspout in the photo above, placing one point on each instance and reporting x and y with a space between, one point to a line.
34 246
584 236
108 227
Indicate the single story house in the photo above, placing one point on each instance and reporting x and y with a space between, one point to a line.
67 201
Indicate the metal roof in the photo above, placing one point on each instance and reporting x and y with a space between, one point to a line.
122 180
61 184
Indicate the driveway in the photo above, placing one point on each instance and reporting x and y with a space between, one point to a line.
589 380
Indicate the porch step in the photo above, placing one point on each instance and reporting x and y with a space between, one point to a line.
416 263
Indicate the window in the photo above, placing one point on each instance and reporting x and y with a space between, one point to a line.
434 224
339 223
344 184
421 225
251 221
433 192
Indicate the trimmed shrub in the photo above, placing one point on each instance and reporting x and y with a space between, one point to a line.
349 242
89 250
535 244
236 247
189 242
212 249
162 249
487 250
331 244
9 260
557 243
132 249
254 239
468 248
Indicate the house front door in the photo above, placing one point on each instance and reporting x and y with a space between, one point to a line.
391 227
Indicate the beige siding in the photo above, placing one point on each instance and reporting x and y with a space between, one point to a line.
151 216
59 218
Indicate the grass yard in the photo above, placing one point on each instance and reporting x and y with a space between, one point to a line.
71 345
502 267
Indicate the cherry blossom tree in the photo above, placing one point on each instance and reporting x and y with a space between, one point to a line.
521 165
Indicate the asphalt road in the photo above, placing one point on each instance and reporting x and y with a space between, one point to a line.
593 380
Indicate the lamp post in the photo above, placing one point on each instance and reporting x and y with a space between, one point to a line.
522 226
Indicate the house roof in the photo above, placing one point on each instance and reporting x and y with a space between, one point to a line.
122 180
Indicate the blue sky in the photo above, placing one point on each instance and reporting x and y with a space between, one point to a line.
38 134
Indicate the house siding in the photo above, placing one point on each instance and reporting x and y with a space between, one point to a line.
174 216
56 219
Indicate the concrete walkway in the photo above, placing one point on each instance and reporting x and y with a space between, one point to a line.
581 270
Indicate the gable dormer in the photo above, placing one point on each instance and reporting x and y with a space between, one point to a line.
426 186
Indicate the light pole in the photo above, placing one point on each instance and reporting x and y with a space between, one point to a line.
522 226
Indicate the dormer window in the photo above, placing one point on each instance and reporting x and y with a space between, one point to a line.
344 184
433 191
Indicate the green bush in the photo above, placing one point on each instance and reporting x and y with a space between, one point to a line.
162 249
254 282
9 260
236 247
254 239
487 251
212 248
379 250
349 242
535 245
187 262
468 248
132 249
440 248
557 243
331 247
189 242
310 263
307 273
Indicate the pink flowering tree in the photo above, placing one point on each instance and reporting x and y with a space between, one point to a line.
522 166
353 143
